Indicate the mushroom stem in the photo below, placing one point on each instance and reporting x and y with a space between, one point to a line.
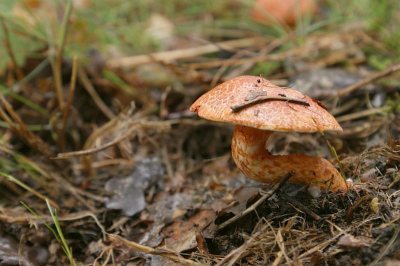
254 160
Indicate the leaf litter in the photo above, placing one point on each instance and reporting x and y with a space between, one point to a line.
161 181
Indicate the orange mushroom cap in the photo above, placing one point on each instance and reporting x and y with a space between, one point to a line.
275 115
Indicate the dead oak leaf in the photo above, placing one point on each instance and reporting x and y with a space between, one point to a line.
181 234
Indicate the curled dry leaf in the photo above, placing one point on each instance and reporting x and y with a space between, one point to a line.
129 192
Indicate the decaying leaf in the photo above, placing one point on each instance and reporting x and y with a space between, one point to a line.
129 192
354 242
181 235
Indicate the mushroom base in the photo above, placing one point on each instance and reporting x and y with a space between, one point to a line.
254 160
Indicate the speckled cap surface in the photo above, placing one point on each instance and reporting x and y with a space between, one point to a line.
273 115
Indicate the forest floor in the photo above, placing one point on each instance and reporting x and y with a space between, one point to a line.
102 163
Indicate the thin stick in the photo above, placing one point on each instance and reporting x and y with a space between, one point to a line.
299 205
181 53
390 70
386 249
259 202
153 251
361 114
239 107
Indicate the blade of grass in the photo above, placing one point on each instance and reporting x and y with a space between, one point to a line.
5 91
41 220
333 151
65 246
4 124
59 234
27 188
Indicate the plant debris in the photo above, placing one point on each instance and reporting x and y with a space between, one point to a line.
97 140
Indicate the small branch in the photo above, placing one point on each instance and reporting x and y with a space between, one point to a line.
168 56
390 70
299 205
239 107
259 202
386 249
153 251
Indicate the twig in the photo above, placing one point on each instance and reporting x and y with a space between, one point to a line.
364 113
299 205
83 214
181 53
129 133
390 70
153 251
259 202
239 107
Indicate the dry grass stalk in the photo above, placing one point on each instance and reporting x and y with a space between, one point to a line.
82 75
68 104
160 252
387 72
169 56
21 130
31 190
9 49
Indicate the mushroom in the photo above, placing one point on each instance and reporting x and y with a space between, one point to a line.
258 108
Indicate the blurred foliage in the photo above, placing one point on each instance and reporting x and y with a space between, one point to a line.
117 26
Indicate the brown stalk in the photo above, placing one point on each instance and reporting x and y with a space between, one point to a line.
56 61
68 104
31 190
93 93
181 53
9 49
239 107
30 138
153 251
390 70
